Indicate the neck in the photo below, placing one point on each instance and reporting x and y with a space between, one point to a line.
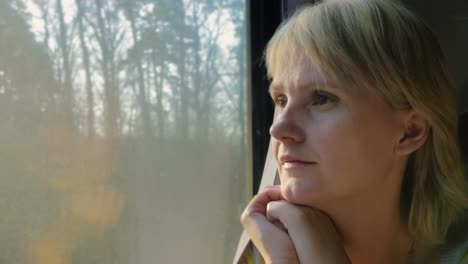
373 234
374 231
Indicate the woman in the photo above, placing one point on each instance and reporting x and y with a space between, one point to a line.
365 141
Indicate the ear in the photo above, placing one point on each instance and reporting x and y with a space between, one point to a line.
415 133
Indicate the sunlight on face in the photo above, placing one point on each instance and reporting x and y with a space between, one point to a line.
331 141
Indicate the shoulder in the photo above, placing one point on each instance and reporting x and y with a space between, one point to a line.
456 248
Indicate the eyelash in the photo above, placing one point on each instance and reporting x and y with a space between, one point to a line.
281 100
330 98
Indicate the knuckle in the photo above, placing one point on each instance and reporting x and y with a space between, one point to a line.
244 218
273 206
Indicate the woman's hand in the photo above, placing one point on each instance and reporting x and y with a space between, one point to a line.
313 233
286 233
273 242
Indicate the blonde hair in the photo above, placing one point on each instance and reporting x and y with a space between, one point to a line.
379 46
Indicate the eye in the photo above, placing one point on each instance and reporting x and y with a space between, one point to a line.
281 101
320 99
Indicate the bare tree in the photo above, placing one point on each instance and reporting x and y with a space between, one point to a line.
130 9
109 36
65 49
87 68
181 107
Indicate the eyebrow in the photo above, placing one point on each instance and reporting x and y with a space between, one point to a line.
274 87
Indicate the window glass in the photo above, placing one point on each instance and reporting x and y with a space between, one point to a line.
123 133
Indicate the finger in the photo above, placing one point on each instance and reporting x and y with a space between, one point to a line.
271 187
280 211
260 201
269 237
280 225
272 206
265 235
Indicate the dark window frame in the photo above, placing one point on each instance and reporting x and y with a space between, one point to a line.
264 16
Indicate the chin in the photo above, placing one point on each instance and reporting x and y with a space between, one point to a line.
300 192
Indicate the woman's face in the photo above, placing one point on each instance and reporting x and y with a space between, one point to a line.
331 141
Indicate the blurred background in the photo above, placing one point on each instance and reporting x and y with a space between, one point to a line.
123 130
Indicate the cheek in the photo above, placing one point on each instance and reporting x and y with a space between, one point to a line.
335 143
352 152
331 137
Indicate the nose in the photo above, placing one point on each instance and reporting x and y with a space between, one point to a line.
287 129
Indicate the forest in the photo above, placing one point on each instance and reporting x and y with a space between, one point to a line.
123 133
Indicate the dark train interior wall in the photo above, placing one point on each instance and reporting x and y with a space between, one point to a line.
449 20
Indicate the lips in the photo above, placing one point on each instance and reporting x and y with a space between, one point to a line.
290 162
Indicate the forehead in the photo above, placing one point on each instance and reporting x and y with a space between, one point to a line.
301 74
